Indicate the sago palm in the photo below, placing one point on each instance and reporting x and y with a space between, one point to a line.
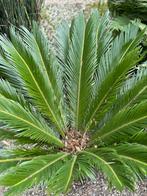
73 111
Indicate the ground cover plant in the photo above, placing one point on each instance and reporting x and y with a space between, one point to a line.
73 111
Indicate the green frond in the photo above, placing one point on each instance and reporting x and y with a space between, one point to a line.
8 72
139 138
44 57
22 121
123 125
79 64
78 47
73 68
30 173
33 78
107 161
84 169
134 155
63 178
7 163
6 134
13 157
24 152
104 37
113 67
62 43
133 91
8 91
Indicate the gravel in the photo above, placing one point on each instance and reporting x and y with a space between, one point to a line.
53 13
98 187
56 11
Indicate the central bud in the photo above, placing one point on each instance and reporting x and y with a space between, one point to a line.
75 141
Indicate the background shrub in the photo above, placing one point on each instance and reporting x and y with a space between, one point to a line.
130 8
18 12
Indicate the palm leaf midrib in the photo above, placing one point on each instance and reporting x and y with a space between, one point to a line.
136 96
15 159
33 125
79 81
133 159
96 109
122 126
48 106
43 168
106 163
71 171
43 63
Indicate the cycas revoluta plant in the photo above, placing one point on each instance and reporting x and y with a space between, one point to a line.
76 110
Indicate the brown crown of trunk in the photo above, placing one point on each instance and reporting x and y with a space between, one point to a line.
75 141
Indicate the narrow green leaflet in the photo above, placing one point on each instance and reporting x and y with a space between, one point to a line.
134 155
62 179
30 173
113 66
115 171
40 49
134 90
33 78
80 66
8 91
24 123
124 124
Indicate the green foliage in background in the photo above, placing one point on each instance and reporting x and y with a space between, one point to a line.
73 110
18 12
126 11
130 8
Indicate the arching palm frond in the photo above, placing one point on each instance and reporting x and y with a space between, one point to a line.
115 63
79 68
108 162
22 121
9 158
35 172
134 155
28 69
124 124
134 90
75 111
8 91
61 180
10 73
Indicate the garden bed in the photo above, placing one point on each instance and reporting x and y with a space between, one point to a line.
52 14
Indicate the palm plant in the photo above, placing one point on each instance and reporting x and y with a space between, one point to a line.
73 110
